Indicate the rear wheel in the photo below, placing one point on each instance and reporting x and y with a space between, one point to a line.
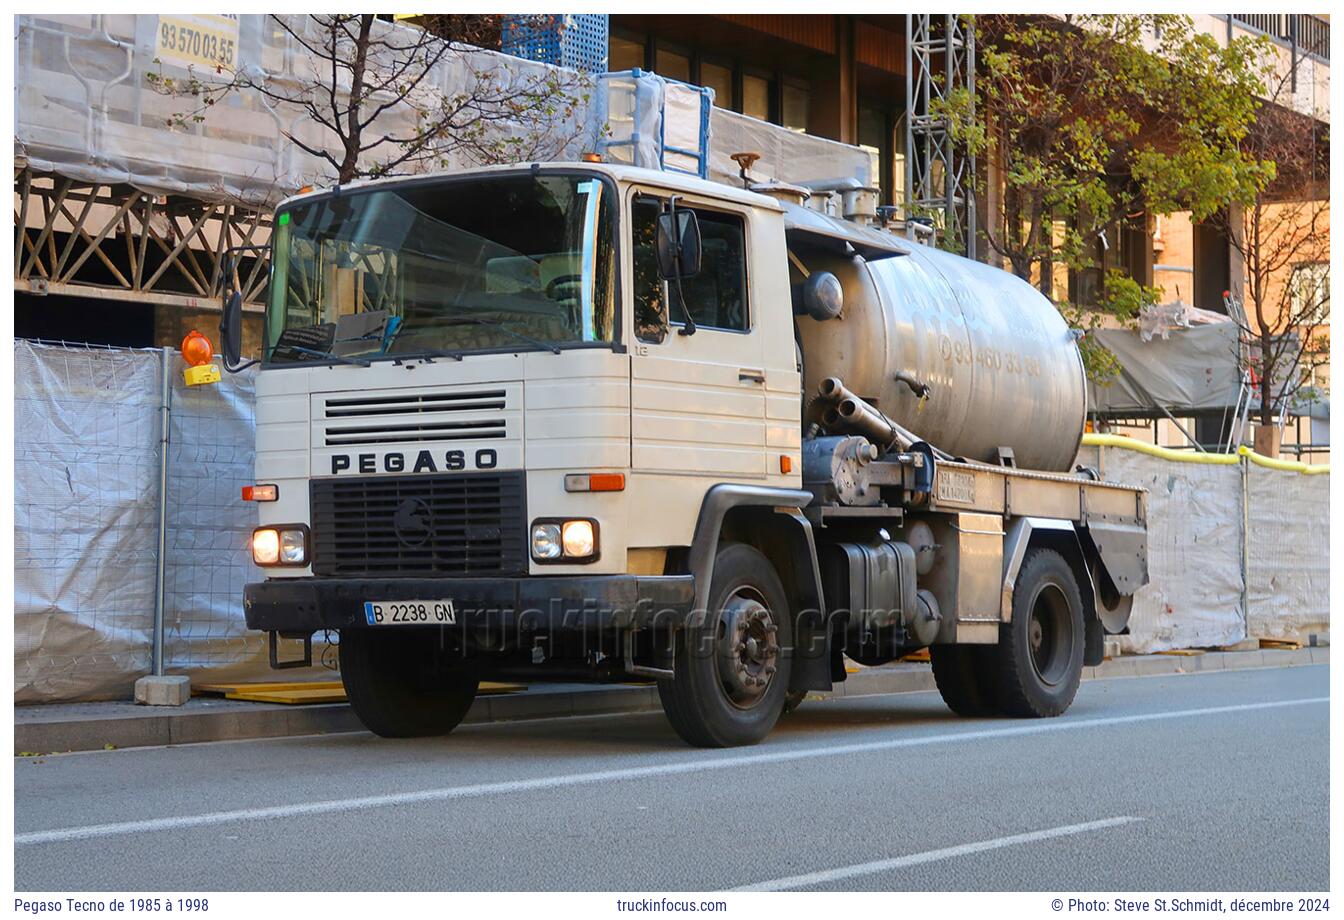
1039 658
732 673
400 685
964 678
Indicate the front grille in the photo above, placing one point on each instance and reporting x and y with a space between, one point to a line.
375 429
470 524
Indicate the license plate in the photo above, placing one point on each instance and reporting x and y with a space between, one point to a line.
410 613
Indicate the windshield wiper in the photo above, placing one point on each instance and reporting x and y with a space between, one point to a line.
427 354
499 324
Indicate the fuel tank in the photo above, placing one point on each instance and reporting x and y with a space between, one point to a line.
1001 367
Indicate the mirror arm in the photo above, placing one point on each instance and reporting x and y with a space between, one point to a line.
689 327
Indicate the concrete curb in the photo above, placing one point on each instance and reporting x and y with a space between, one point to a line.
95 726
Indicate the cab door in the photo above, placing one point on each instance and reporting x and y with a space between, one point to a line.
697 402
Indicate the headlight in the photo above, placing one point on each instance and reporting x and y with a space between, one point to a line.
546 541
286 544
265 547
559 541
293 547
578 539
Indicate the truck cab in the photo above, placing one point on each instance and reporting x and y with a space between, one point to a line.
547 421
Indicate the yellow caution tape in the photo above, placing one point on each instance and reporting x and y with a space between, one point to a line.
1186 456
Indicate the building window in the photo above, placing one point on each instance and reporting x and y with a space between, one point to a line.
673 65
756 97
794 106
625 53
1309 290
720 79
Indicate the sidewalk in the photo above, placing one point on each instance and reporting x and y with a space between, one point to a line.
95 726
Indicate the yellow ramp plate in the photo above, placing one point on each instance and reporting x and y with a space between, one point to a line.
297 692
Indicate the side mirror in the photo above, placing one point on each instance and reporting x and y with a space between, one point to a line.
231 331
678 244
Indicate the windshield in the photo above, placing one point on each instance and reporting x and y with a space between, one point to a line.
498 262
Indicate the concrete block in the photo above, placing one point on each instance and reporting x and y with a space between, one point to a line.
1233 660
1284 657
168 690
1117 667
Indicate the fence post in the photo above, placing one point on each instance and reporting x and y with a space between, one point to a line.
165 412
1245 547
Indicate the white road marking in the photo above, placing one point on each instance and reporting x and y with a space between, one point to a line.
722 762
915 859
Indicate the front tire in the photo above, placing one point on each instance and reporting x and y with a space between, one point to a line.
732 673
1039 658
399 686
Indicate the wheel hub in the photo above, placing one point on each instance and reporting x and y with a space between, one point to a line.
748 650
1050 635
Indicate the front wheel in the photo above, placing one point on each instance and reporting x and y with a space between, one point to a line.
400 685
1039 658
732 672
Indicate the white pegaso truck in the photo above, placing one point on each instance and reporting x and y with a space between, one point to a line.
592 422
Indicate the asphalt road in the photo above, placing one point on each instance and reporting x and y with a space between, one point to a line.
1213 781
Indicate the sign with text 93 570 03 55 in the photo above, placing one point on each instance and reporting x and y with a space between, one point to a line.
198 39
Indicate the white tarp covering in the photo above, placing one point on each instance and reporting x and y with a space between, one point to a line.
1289 584
785 155
84 108
86 483
1198 517
1193 598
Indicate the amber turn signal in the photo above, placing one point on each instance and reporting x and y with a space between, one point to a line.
595 482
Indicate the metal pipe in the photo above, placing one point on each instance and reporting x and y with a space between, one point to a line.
855 413
165 412
858 416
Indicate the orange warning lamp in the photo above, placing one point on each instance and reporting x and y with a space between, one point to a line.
197 349
199 353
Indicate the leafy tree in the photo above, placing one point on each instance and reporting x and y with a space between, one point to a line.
1090 119
368 87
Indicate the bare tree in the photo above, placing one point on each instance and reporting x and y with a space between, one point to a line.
369 90
1282 235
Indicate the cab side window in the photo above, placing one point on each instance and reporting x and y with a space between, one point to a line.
716 297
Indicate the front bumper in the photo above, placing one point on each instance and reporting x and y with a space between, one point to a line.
521 606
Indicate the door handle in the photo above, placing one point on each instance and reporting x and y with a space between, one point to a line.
750 375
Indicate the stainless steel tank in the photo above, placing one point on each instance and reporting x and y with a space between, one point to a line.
1002 368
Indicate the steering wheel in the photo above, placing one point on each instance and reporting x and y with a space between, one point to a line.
555 289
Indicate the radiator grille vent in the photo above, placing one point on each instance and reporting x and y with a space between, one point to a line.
454 525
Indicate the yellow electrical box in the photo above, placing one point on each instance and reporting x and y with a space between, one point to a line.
201 373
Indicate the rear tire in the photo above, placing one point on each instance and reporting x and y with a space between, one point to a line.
399 686
732 673
964 677
1039 658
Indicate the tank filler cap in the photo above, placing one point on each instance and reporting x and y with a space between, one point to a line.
820 296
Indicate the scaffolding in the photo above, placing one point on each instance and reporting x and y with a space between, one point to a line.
939 179
117 242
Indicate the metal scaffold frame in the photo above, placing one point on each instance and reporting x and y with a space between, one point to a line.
117 242
939 59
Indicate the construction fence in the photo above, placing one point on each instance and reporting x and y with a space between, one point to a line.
1236 549
1238 546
